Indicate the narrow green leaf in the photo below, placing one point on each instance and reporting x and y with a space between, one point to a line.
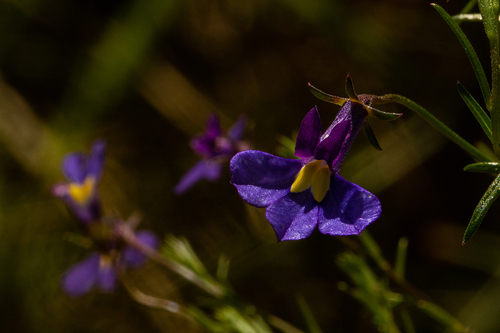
327 97
349 88
476 64
371 136
476 109
491 167
489 13
374 250
382 115
482 207
311 322
399 266
441 316
469 7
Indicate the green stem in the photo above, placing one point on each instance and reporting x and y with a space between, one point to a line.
427 116
489 13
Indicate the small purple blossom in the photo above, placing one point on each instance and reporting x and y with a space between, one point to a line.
301 194
215 148
100 269
83 173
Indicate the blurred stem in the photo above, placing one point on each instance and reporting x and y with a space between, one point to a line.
489 13
427 116
400 265
282 325
155 302
211 287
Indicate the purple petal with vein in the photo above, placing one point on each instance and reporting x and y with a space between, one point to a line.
309 135
262 178
331 148
347 208
294 216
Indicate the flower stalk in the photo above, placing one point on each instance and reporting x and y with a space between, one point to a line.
489 13
437 124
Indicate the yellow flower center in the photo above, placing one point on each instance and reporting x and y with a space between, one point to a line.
314 175
82 192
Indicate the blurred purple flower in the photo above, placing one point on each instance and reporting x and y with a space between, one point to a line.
83 173
302 193
215 148
100 269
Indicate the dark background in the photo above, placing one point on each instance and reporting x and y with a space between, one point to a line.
145 74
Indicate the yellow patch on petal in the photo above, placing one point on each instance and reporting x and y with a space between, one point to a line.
321 183
82 192
314 175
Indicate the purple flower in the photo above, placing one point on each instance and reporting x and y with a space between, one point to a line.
301 194
215 148
100 269
83 173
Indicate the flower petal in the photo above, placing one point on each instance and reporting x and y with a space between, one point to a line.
347 208
204 169
309 135
236 131
95 162
337 139
107 278
132 257
213 129
262 178
74 167
294 216
330 148
80 278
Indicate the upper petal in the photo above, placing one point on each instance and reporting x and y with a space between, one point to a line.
213 129
204 169
309 135
74 167
95 162
347 208
262 178
236 131
337 139
81 277
330 147
294 216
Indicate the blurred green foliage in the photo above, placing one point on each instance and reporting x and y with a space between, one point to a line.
144 75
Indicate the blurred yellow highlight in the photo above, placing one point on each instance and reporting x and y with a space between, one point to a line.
82 192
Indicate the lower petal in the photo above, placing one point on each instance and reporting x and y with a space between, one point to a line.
347 208
294 216
107 278
80 278
204 169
